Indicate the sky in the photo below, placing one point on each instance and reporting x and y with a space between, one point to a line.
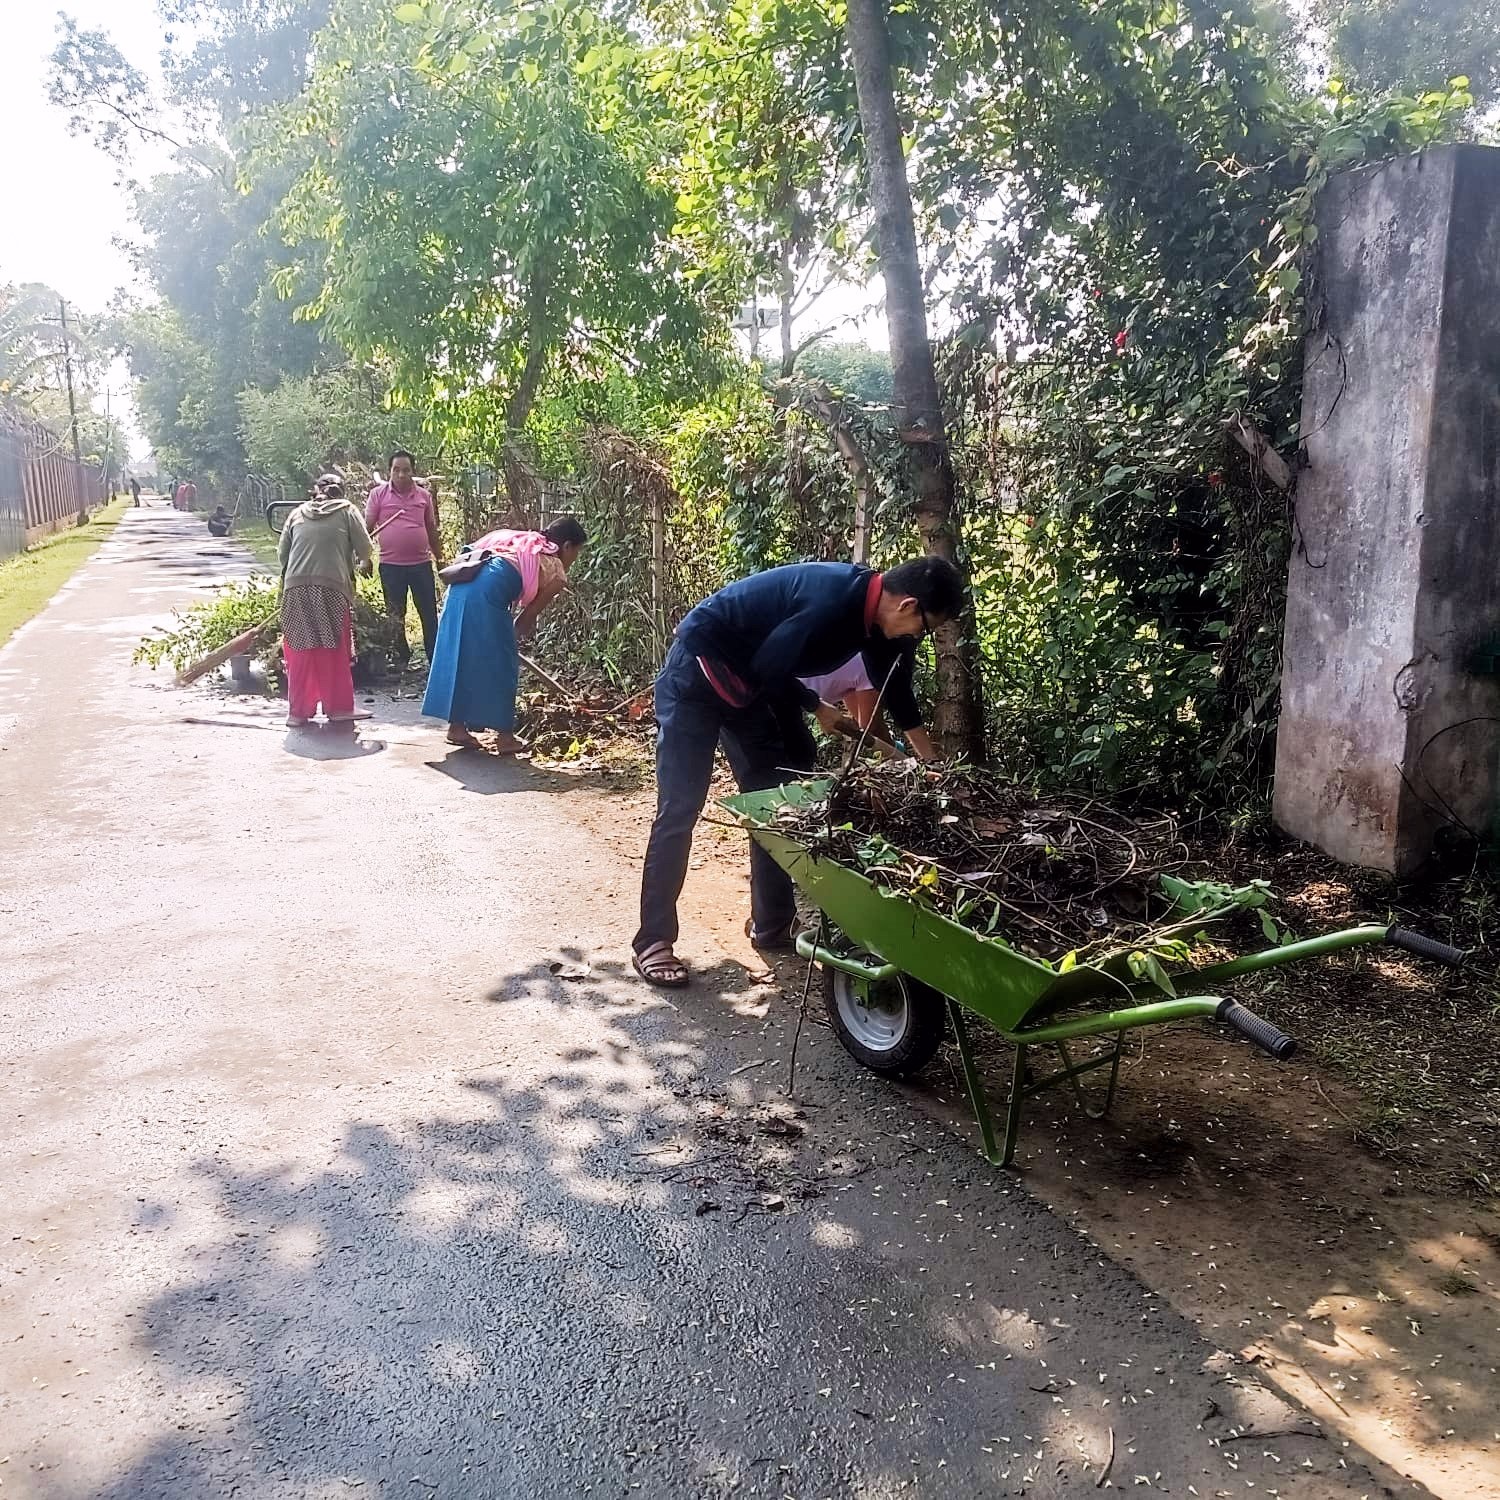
62 190
66 209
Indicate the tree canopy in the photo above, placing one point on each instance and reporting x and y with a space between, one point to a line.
525 234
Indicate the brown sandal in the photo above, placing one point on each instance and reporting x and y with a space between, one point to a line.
659 966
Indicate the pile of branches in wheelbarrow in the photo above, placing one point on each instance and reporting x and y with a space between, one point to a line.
1050 874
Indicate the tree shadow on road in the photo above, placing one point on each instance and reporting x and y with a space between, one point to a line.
491 775
641 1271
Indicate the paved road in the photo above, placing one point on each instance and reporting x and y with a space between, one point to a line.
318 1181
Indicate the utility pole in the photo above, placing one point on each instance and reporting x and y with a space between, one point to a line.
109 450
83 498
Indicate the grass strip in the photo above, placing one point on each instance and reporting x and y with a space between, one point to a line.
30 579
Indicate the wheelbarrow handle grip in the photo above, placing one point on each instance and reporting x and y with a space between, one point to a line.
1426 947
1256 1029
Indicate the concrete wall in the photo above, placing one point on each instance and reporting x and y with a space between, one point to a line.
1394 581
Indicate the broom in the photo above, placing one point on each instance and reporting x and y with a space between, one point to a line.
204 664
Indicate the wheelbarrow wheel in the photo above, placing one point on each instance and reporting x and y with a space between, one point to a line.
893 1026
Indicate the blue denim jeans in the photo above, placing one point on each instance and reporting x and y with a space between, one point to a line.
691 721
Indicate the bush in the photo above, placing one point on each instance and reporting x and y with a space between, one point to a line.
211 625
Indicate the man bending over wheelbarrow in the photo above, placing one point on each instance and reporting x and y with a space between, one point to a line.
734 656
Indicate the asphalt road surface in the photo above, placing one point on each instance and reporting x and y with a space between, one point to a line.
320 1178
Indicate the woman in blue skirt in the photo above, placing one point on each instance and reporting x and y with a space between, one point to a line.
476 666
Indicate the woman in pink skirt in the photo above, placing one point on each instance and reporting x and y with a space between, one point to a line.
322 544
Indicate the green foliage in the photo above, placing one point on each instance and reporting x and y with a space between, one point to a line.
303 427
215 326
767 162
1414 44
244 55
211 624
854 369
1146 285
186 399
30 339
481 209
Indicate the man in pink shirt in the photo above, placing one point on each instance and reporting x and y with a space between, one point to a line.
409 545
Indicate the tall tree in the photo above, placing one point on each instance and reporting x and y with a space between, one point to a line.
919 411
218 325
1414 44
767 177
35 361
482 209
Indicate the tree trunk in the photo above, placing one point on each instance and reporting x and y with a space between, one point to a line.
957 718
787 295
858 465
519 492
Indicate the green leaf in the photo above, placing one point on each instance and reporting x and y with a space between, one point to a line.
410 13
1147 967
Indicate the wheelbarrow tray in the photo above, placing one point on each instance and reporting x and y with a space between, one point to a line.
1023 998
984 974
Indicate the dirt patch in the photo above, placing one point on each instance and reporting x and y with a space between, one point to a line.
1330 1219
1240 1190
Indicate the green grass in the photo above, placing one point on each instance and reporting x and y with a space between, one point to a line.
30 579
261 540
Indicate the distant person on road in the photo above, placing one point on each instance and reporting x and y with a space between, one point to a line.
322 544
220 522
135 489
409 546
477 667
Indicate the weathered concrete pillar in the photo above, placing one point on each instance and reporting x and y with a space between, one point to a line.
1390 721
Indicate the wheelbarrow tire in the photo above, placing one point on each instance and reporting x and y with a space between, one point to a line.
897 1033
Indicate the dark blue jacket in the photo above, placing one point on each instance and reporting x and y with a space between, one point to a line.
797 621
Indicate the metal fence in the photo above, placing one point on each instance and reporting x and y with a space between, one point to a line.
256 492
41 488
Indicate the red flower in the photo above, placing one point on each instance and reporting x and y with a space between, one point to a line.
1216 479
1122 338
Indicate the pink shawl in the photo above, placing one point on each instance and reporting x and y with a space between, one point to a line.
524 549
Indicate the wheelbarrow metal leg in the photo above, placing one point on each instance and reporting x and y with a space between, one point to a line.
1072 1073
1018 1091
975 1085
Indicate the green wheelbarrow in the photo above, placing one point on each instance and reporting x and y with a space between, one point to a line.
897 974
